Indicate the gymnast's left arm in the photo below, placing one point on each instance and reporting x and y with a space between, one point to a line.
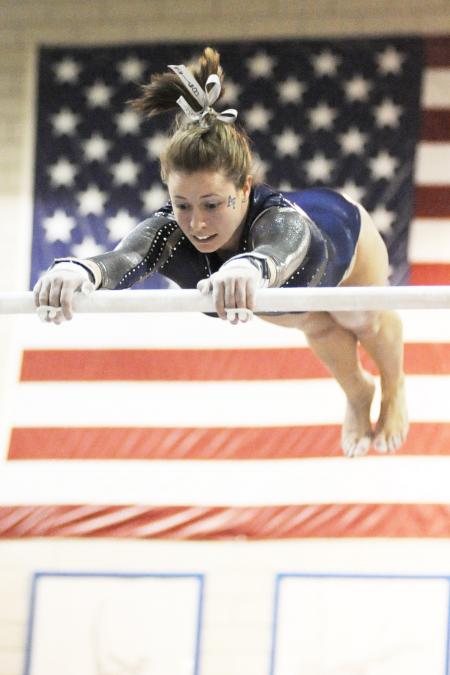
281 236
278 243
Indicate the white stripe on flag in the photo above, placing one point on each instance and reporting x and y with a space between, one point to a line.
436 88
433 164
194 331
208 404
429 240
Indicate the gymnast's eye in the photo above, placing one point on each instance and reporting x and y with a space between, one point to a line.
181 207
212 205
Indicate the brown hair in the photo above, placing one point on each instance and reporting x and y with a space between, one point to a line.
218 146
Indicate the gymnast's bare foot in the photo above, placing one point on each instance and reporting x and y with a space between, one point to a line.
392 426
356 434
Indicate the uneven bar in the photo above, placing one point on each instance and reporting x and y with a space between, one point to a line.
349 298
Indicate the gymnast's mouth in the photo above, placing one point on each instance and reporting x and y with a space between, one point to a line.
205 239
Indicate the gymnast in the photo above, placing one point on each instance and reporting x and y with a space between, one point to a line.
223 234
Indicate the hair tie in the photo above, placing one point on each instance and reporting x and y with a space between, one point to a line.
204 97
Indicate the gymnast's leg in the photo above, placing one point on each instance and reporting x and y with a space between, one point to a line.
334 338
336 345
381 335
337 348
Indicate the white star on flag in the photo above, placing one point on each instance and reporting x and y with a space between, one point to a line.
390 60
154 197
291 90
387 113
95 148
353 191
286 186
64 122
352 141
67 71
58 226
62 173
325 63
319 168
383 219
120 225
128 122
125 172
260 65
260 167
258 118
322 116
87 248
287 143
98 95
383 165
131 69
156 145
357 89
92 201
231 92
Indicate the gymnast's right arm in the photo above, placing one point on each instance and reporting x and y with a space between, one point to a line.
134 258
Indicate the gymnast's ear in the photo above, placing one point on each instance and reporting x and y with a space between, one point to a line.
247 187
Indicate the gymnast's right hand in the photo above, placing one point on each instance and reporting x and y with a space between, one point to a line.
54 292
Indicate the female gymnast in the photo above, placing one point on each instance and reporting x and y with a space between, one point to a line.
227 236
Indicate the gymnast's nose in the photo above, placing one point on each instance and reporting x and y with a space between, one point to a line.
197 224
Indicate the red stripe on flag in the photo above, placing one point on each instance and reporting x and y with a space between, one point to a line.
432 201
429 274
435 125
203 365
169 364
437 52
196 522
241 443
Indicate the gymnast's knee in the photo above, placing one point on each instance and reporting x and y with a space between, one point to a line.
361 324
368 330
321 329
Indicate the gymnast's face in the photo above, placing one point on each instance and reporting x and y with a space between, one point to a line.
209 208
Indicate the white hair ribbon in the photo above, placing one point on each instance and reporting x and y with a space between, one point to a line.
205 98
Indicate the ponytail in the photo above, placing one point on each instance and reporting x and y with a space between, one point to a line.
160 95
201 138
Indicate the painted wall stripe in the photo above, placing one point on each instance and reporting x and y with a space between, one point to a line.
215 523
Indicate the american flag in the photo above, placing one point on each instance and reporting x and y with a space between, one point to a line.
344 114
192 428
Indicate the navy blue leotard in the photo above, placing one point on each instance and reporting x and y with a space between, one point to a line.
310 235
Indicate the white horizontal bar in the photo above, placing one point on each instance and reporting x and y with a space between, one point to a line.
348 298
368 480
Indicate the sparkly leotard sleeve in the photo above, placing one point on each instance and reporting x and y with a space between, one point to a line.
310 236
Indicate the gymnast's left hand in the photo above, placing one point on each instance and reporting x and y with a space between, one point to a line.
233 289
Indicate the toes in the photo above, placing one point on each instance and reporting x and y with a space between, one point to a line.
356 447
389 443
380 443
362 447
347 450
395 441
